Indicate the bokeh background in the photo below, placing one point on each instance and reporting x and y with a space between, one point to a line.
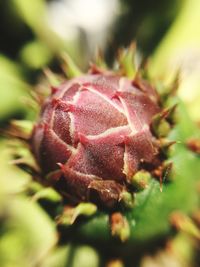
35 33
33 36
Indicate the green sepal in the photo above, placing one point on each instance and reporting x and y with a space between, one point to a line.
141 180
127 199
126 61
69 67
162 122
52 78
160 127
99 60
71 213
166 145
48 194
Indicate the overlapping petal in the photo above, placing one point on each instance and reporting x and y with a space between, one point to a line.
96 128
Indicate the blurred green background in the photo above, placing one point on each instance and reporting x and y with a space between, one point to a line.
34 34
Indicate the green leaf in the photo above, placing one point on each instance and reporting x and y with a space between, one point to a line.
12 88
28 233
179 50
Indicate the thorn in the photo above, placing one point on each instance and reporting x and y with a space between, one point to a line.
167 170
52 78
137 81
37 97
165 145
99 59
171 90
30 102
165 114
69 67
144 65
171 114
163 173
168 112
159 125
175 83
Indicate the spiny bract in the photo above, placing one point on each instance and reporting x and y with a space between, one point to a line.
95 133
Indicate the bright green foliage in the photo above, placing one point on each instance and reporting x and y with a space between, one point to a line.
149 218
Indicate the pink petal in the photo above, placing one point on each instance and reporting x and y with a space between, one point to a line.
70 91
102 155
139 148
104 84
139 109
52 151
61 125
92 115
76 183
